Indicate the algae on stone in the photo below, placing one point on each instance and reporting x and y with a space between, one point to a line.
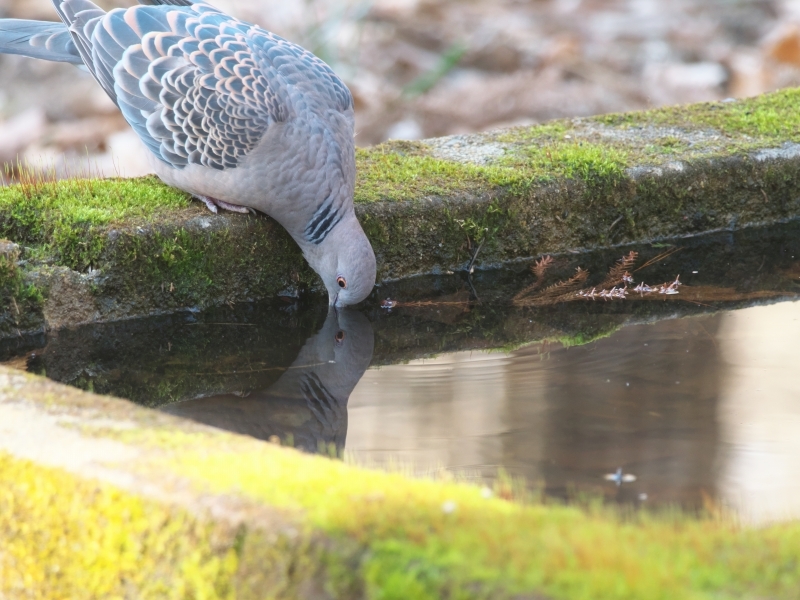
20 300
370 534
137 247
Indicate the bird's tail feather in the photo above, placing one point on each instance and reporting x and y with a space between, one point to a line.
169 2
38 39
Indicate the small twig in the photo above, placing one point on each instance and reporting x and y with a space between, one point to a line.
661 256
389 304
231 324
617 220
473 291
474 256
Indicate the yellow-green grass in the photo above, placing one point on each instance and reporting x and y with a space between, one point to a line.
771 117
68 538
427 539
373 534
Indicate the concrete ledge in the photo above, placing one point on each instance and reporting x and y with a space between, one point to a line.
126 359
100 498
103 499
98 251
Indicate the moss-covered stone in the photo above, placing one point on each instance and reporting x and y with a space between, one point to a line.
68 537
118 248
247 347
147 506
21 300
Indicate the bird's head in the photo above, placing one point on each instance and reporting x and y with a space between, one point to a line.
346 263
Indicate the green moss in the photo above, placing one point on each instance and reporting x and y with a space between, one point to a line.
384 173
67 538
582 338
61 217
594 164
360 533
398 172
419 209
24 300
427 539
9 277
538 134
148 242
769 118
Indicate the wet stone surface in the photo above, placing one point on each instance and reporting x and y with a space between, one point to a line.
497 372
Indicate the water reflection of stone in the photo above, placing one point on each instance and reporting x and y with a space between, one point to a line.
307 406
565 416
645 400
760 412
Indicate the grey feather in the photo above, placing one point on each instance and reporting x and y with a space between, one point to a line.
38 39
239 123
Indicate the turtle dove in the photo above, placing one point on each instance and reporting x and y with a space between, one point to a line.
229 112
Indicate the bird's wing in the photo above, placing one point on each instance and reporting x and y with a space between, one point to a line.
38 39
197 86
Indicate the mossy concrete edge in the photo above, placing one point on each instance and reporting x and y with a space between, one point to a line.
88 515
101 498
426 207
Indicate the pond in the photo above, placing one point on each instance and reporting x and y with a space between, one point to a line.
680 392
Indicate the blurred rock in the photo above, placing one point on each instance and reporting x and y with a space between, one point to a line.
421 68
562 49
749 76
20 132
495 55
783 44
675 83
407 129
85 135
28 9
125 156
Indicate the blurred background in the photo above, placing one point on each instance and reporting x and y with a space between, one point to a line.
424 68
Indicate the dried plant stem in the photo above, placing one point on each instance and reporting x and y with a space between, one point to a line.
661 256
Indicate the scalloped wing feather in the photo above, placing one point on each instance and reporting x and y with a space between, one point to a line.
198 86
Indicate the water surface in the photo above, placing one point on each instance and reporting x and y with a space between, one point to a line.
693 396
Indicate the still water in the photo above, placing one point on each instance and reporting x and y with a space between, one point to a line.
693 407
686 397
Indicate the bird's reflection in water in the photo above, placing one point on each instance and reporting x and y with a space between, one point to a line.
307 406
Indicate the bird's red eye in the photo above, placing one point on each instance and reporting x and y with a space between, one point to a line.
341 281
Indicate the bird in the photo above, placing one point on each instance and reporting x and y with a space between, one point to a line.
231 113
307 405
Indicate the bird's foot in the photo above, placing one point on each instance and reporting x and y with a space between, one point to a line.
209 202
214 205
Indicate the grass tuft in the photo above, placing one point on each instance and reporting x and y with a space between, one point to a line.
772 117
444 539
67 538
61 216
